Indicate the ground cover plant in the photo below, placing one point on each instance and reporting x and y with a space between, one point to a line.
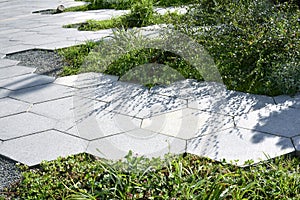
174 177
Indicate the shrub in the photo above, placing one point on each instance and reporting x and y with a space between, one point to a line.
255 44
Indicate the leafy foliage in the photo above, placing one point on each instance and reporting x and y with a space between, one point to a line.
174 177
255 44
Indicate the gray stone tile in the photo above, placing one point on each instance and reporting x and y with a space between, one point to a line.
59 109
112 90
187 123
25 81
59 45
13 71
240 145
288 101
296 141
11 106
85 118
40 40
7 63
24 124
216 98
145 105
16 48
4 93
32 150
43 93
185 89
103 124
86 80
141 142
278 120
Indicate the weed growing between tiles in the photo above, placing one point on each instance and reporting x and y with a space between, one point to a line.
174 177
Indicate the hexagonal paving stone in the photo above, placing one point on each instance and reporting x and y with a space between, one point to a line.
24 124
146 105
112 91
105 124
85 117
277 120
25 81
296 141
141 142
240 145
288 101
4 92
11 106
86 80
214 97
58 109
185 89
33 149
187 123
93 122
43 93
13 71
7 63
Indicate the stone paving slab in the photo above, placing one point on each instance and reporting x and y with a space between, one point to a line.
296 142
214 97
240 145
11 106
228 102
42 93
141 142
49 145
16 48
13 71
146 105
24 124
84 117
270 119
86 80
25 81
187 123
288 101
7 63
4 92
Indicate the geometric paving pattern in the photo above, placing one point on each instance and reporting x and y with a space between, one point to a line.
42 118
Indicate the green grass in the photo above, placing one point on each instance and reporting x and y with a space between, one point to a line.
124 4
174 177
141 15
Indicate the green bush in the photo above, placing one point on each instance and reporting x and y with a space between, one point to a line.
255 44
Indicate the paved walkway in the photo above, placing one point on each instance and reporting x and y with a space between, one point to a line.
42 118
